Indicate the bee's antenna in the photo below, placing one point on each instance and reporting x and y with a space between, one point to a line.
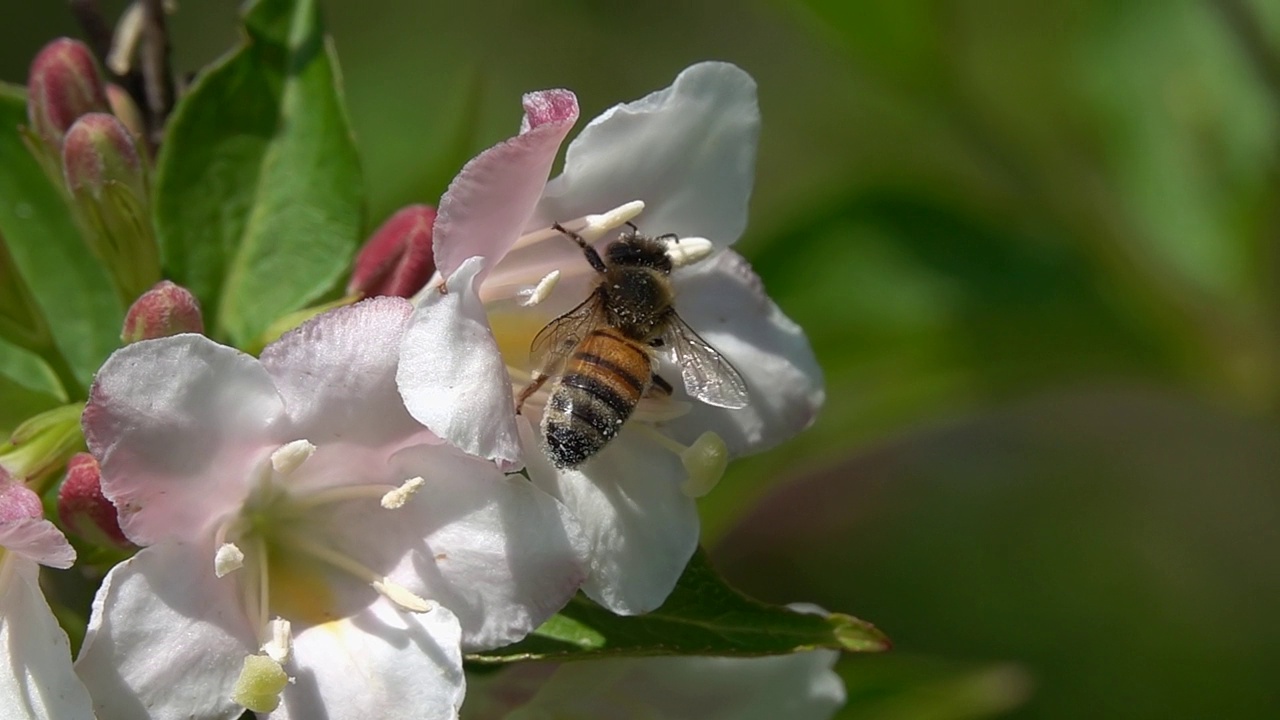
634 230
593 257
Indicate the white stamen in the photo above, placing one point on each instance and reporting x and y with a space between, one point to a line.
598 225
398 497
541 290
401 596
289 456
280 643
689 250
705 461
125 40
229 558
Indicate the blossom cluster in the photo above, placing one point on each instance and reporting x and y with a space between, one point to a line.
327 527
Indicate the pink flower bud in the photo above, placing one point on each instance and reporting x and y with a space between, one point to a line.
397 259
82 507
164 310
64 84
98 149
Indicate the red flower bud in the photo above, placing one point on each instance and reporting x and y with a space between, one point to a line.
164 310
98 149
397 259
64 84
82 507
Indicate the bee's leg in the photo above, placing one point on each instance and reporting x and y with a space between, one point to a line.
538 381
668 236
593 257
661 384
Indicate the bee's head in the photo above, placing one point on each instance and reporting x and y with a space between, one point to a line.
636 250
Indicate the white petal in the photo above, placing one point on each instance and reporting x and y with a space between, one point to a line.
498 552
166 638
38 683
488 204
381 663
452 376
178 424
687 151
641 527
722 299
337 375
39 540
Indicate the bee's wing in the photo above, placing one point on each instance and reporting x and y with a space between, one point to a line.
707 375
553 344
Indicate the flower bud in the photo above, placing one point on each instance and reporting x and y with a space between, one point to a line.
166 309
397 259
64 84
123 107
108 184
84 510
42 444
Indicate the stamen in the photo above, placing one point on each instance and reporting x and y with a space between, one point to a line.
541 290
705 461
280 643
689 250
260 683
289 456
398 497
228 558
342 493
397 594
590 227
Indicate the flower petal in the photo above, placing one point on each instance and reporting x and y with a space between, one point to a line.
641 527
381 663
337 375
178 425
452 376
38 540
488 204
38 682
166 638
723 300
499 553
687 151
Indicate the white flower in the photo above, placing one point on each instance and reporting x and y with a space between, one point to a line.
796 687
685 157
308 549
37 681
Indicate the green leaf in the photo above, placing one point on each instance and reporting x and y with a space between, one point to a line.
258 190
70 288
703 616
27 385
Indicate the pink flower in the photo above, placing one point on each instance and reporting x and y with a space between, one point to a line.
684 156
308 549
37 681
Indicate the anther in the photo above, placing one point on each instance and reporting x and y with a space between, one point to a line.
597 226
541 290
228 558
402 596
705 461
289 456
280 642
260 683
398 497
689 250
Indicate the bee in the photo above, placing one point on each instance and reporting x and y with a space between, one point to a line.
603 353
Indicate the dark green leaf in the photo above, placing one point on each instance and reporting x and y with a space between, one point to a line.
703 616
70 288
259 190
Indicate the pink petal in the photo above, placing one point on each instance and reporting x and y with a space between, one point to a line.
166 638
17 501
337 376
178 425
452 376
641 527
724 301
488 204
687 151
382 663
38 682
38 540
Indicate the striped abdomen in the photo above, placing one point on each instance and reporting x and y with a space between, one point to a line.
602 382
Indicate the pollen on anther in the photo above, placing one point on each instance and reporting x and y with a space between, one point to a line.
398 497
228 558
402 596
541 290
289 456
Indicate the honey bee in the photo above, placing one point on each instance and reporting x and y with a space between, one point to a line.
603 353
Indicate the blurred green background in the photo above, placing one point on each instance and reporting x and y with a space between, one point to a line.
1036 247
